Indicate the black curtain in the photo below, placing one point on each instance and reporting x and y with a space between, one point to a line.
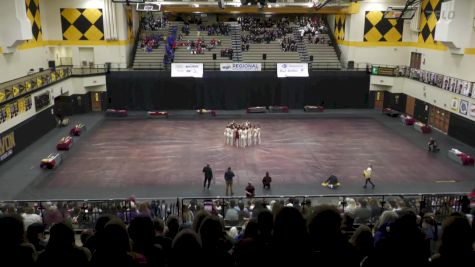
151 90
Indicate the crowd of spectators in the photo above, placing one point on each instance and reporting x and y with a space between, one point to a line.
314 28
150 42
288 44
199 46
275 233
153 23
265 31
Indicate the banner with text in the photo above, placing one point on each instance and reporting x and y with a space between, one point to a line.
292 70
240 66
187 70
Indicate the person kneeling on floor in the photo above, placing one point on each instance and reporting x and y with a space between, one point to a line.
331 182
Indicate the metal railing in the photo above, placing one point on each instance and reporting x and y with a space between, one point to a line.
23 86
441 205
83 214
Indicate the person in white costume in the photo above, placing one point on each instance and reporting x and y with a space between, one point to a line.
258 135
249 136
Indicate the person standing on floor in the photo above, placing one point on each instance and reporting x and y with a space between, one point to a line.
266 181
367 173
208 172
228 177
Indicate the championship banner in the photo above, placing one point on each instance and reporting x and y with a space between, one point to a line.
240 66
194 70
472 110
292 70
454 105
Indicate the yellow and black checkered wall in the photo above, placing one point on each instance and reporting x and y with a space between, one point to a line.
340 27
430 14
379 29
82 24
33 14
130 24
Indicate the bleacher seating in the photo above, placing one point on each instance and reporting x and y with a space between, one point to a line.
324 55
183 55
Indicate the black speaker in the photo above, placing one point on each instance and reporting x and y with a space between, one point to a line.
214 56
52 65
311 57
264 56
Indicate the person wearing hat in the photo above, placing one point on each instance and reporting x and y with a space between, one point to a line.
367 174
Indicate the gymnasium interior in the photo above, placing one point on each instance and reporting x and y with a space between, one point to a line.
362 113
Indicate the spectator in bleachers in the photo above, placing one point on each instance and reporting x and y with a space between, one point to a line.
85 235
363 213
61 249
186 250
326 240
431 232
290 242
403 238
114 247
383 225
172 226
30 217
199 218
187 216
347 225
13 249
456 244
160 238
212 239
142 233
232 214
35 234
93 241
362 240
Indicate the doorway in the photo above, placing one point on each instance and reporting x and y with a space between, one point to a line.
379 100
96 101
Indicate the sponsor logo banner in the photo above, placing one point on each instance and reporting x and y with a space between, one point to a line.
194 70
240 66
7 144
292 70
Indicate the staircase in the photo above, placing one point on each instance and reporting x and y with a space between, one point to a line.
324 55
236 41
301 48
273 52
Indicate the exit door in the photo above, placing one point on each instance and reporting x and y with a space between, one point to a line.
96 101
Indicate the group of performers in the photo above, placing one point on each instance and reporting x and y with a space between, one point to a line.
242 134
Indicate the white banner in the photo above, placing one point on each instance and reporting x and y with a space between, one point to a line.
187 70
240 66
292 70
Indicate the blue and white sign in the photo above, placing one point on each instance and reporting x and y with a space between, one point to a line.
194 70
463 107
240 66
292 70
